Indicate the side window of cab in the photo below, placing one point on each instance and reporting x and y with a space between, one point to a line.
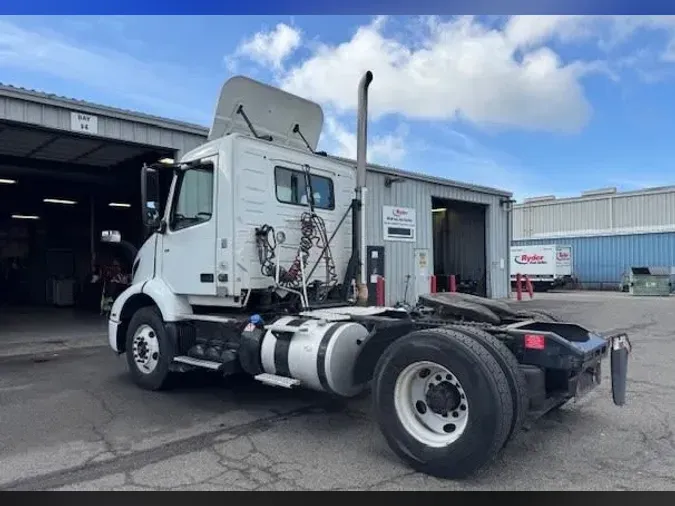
291 188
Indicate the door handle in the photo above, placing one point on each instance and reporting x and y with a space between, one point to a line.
166 250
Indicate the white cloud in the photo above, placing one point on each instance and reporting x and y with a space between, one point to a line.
528 31
607 31
460 69
610 33
389 149
271 47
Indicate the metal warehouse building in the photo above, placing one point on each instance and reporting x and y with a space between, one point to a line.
609 231
69 169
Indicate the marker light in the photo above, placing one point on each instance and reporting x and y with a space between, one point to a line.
535 342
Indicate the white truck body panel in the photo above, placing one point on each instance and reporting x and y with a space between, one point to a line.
256 201
543 263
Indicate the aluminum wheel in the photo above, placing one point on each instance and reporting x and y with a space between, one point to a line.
431 404
145 347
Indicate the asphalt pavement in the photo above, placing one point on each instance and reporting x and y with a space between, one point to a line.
74 421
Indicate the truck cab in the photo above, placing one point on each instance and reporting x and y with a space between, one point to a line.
229 228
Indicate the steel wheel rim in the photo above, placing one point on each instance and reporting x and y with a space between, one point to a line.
145 349
434 419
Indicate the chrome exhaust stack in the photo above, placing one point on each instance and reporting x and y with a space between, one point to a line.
359 225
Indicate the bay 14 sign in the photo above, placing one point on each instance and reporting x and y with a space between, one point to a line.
83 123
399 224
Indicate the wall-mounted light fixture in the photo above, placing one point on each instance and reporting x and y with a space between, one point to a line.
389 180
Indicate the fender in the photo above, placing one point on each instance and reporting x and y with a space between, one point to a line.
151 292
172 306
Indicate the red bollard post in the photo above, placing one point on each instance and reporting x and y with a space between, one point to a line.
379 291
519 287
528 285
453 283
432 284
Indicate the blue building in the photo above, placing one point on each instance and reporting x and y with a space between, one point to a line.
609 231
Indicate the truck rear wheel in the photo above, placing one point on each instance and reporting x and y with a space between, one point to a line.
515 377
149 351
442 402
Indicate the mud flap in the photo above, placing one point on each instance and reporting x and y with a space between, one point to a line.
620 349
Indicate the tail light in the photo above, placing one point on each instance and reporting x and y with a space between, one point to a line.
535 342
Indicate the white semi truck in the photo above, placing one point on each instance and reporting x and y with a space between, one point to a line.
254 264
548 266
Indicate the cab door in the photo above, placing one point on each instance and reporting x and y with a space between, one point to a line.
188 245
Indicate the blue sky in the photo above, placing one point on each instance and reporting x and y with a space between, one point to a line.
533 104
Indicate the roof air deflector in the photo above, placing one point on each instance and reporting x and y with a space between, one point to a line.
271 112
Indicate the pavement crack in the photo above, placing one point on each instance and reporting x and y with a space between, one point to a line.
123 463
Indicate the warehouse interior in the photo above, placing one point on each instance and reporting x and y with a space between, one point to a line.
459 239
58 191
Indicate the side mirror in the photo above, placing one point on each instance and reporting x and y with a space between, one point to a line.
150 197
111 236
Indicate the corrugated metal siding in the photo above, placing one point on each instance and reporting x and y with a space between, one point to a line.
400 256
599 262
640 211
620 213
47 116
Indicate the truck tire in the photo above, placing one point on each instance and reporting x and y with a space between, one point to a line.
149 351
442 402
514 375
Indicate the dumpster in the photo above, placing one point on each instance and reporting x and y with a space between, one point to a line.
649 281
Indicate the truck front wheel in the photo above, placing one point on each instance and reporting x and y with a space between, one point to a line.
148 349
442 402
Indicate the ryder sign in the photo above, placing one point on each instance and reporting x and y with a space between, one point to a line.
544 262
399 224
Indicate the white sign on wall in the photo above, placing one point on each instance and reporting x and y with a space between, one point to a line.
399 224
83 123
